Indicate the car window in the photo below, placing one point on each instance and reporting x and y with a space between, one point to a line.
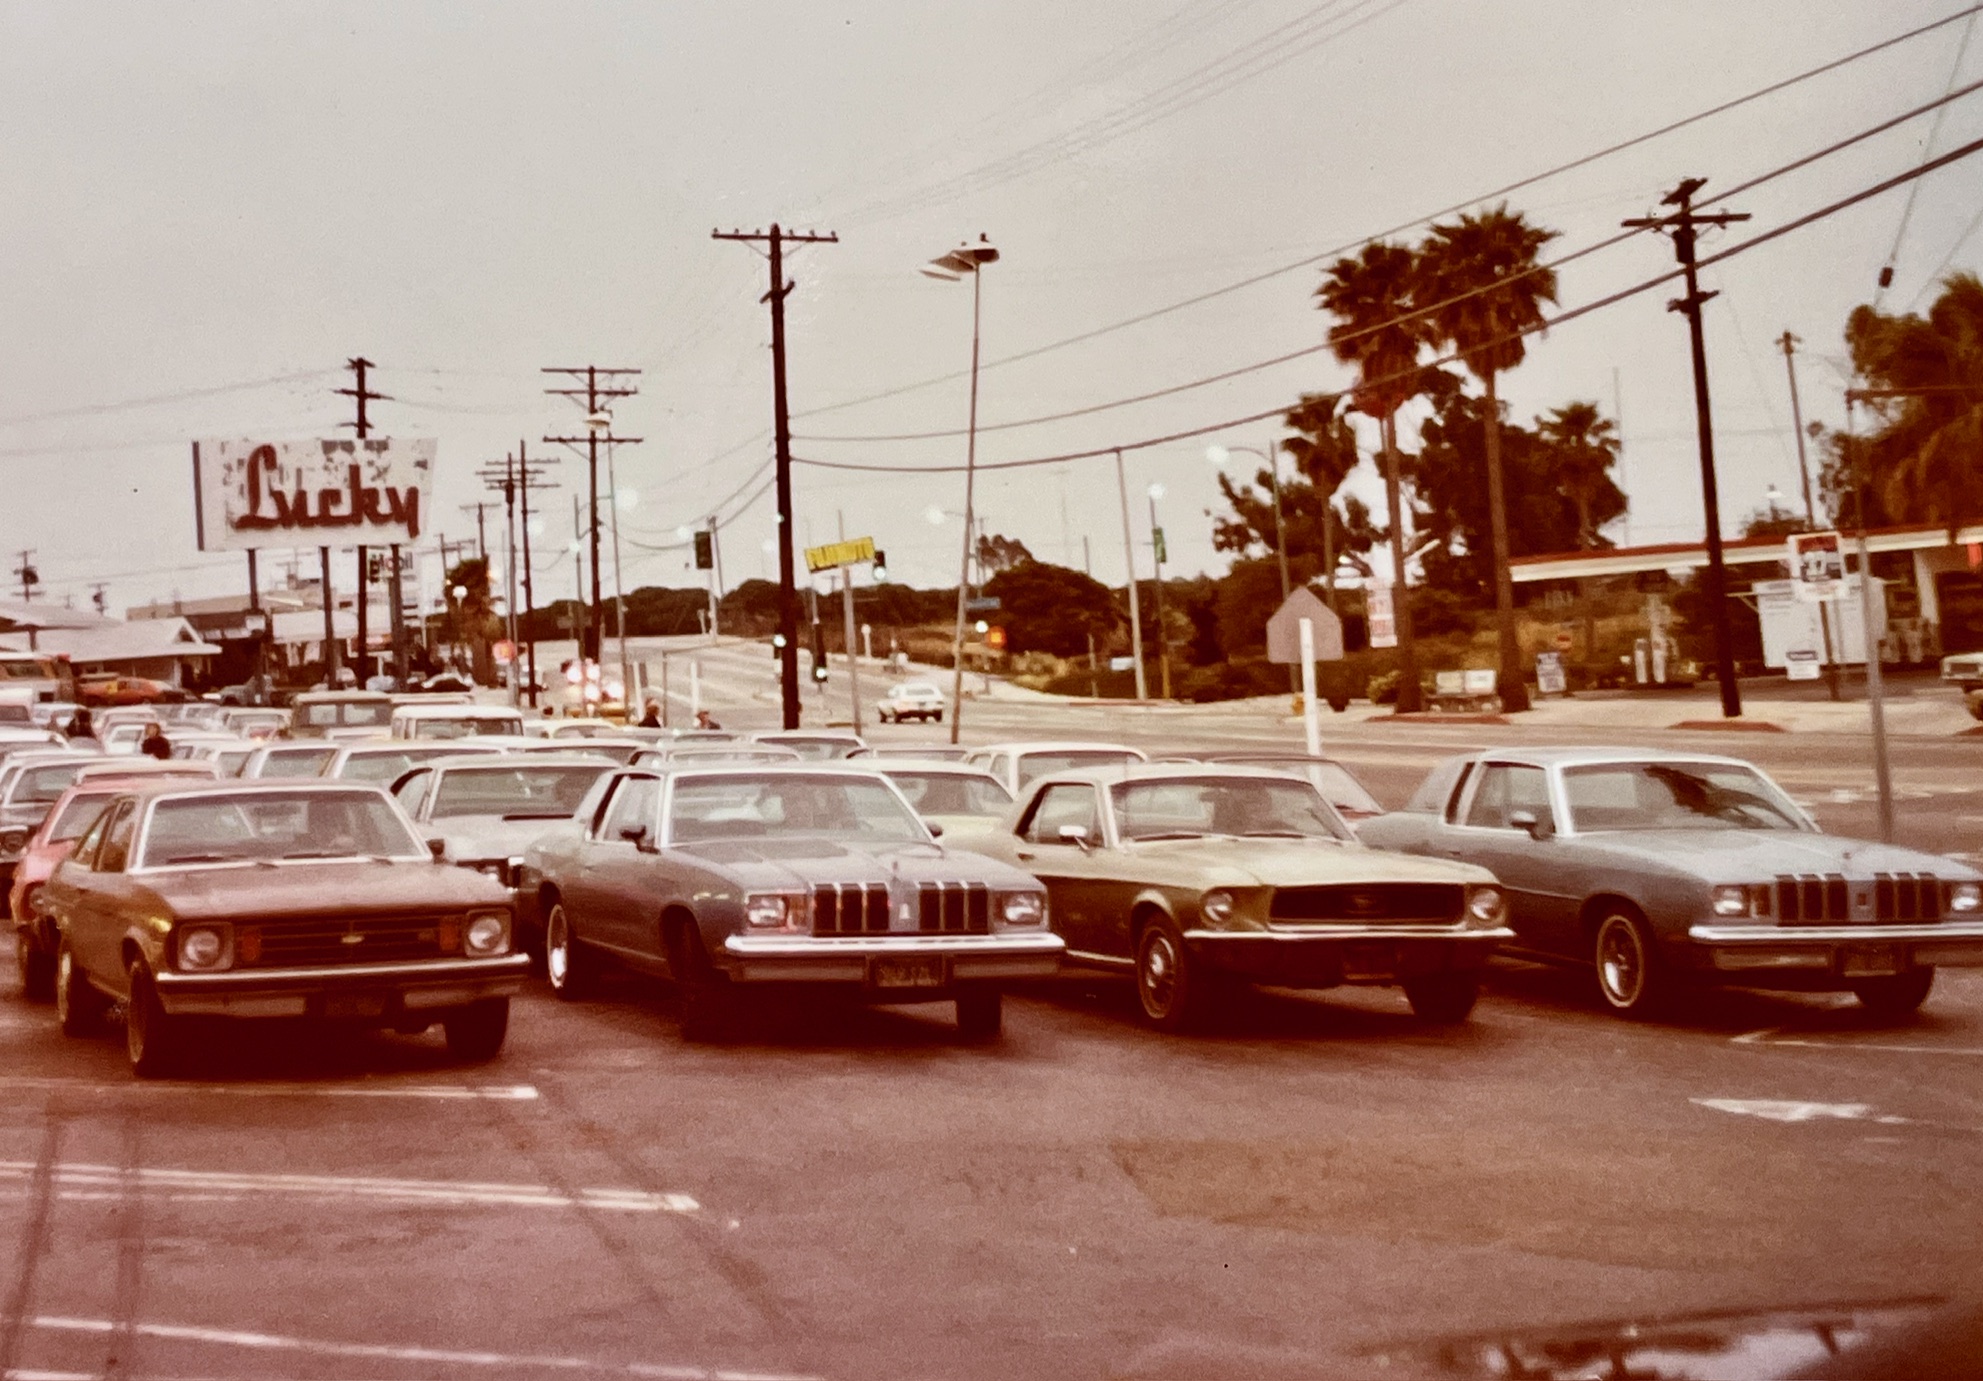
85 851
115 850
76 817
1675 795
840 806
1505 788
1434 795
297 762
366 713
1244 807
265 826
1070 803
412 793
952 793
632 806
43 786
548 790
1033 766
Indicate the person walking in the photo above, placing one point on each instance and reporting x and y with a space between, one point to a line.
81 726
155 744
652 719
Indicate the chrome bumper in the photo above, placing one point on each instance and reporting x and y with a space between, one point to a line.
1321 935
1325 956
807 959
1749 947
290 992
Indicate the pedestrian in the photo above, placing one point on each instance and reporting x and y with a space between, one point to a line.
652 719
155 744
82 726
705 720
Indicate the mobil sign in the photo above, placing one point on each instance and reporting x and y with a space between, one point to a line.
335 492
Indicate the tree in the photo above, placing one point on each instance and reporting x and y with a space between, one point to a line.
1584 448
473 614
996 553
1047 608
1479 282
1370 297
1924 460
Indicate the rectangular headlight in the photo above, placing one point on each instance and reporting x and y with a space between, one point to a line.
1966 897
774 911
1731 899
1022 910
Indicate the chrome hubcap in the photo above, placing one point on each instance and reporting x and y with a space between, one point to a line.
1619 963
1159 974
557 961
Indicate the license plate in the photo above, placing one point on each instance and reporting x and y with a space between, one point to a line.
920 972
350 1006
1867 961
1369 961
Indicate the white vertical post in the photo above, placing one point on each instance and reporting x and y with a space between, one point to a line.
1311 718
695 688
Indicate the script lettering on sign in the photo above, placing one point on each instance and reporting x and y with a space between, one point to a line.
334 492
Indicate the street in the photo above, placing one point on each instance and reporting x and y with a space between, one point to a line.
856 1193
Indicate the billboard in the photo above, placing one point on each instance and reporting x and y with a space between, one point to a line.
334 492
1817 565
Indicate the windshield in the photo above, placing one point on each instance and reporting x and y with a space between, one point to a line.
77 816
325 713
741 807
549 791
464 727
1675 796
1341 789
1243 807
297 762
386 768
818 749
265 826
953 793
43 786
1033 765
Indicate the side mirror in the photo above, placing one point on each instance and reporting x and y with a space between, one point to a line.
936 830
635 835
439 849
1076 835
1526 821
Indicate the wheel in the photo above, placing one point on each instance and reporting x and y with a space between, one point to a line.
1897 996
36 965
709 999
980 1014
568 964
154 1041
475 1032
79 1008
1168 984
1442 999
938 716
1628 970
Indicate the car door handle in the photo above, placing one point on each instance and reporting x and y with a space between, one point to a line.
1025 854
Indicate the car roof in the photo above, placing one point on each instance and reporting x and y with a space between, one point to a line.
1569 755
510 762
456 710
944 767
236 786
1163 772
1070 745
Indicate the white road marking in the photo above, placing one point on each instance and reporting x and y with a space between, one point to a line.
276 1342
1768 1036
84 1179
493 1093
1787 1110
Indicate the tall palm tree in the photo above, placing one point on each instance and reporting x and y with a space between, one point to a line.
1371 298
1927 458
1324 452
1583 446
1480 286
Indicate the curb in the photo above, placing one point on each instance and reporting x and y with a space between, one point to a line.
1433 717
1754 725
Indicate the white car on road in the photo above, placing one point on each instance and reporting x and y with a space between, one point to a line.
917 700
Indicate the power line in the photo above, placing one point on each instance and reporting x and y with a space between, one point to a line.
160 399
1352 245
1934 131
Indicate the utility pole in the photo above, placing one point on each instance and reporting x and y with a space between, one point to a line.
1683 224
788 598
1790 344
362 395
514 480
480 510
527 481
595 397
29 576
1129 560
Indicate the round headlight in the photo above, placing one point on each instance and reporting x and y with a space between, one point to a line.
1484 906
1730 900
1966 896
201 948
487 933
1024 908
766 910
1216 907
13 841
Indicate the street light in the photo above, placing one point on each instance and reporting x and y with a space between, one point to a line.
966 258
1221 456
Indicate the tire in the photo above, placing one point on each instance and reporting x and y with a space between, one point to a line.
569 966
1900 995
980 1015
938 716
154 1041
79 1008
1170 988
475 1033
1629 974
709 999
37 967
1443 999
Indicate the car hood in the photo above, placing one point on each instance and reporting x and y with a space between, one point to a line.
1227 862
792 864
359 887
491 836
1717 856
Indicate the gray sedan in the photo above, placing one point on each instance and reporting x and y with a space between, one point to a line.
767 877
1662 870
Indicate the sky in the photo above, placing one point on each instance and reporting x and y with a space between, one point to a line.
206 208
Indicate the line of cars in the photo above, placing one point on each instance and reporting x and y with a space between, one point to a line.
914 874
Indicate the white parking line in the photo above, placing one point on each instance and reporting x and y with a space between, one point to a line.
275 1342
493 1093
106 1180
1788 1110
1768 1037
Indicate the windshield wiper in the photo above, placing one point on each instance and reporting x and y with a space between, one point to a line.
1167 834
1277 834
201 858
538 815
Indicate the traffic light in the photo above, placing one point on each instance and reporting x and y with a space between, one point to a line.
705 550
880 568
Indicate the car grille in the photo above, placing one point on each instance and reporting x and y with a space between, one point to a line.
315 942
1361 903
1812 899
943 908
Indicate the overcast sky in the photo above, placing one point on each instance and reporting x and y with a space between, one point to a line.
217 204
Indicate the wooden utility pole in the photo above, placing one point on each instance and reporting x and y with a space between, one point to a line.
362 395
1683 224
595 397
1790 344
788 598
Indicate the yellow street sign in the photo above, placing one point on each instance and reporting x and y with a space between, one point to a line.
849 553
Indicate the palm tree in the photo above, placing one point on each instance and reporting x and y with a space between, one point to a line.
1324 451
1480 286
1927 458
1375 330
1583 446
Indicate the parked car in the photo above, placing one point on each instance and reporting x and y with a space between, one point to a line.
1664 870
485 809
282 758
386 762
454 721
227 755
285 899
695 754
920 752
1194 879
950 797
814 745
255 721
1350 797
1018 765
339 714
758 877
917 700
30 782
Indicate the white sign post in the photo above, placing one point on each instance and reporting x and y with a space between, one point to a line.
1311 718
